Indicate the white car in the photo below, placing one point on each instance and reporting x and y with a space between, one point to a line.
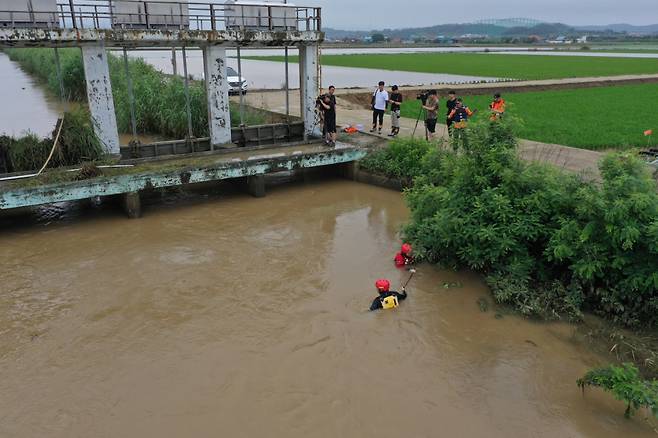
236 82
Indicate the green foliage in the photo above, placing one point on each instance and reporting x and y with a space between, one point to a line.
549 243
77 143
401 159
626 385
29 152
610 241
160 106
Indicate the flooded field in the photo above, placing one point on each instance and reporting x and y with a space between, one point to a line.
28 106
218 314
271 75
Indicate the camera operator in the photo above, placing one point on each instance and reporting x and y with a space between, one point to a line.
327 104
379 104
431 107
451 103
396 101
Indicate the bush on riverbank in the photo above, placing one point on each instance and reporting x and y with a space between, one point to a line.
401 159
625 384
77 143
548 242
159 99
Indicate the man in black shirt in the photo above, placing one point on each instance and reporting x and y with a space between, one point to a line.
328 107
450 105
395 101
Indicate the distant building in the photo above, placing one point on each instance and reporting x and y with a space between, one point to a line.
560 40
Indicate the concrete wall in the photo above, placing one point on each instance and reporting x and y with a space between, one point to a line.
99 96
219 116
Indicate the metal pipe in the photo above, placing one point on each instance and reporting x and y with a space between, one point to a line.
187 97
174 62
72 7
60 79
241 93
131 96
287 85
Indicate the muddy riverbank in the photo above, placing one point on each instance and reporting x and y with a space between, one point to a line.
220 313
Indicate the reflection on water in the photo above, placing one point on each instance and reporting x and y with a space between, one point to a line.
221 314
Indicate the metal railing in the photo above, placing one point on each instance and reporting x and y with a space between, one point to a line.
165 15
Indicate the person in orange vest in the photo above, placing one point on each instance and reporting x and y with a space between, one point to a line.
459 117
404 257
497 107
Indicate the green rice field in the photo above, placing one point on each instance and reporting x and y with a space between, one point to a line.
589 118
528 67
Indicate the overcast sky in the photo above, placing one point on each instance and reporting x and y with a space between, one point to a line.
380 14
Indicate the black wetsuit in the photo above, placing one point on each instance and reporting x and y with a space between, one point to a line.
377 302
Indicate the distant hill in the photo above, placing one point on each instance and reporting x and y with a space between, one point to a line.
492 30
628 28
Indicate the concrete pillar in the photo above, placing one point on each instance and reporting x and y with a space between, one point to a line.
99 96
219 116
309 87
132 204
256 186
349 170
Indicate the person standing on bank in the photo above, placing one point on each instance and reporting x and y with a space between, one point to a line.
396 101
379 104
328 106
451 103
431 106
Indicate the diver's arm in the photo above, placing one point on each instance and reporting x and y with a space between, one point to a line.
376 304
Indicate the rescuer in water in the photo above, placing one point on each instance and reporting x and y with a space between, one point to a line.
404 257
387 299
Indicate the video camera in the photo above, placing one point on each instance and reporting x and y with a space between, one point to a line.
423 96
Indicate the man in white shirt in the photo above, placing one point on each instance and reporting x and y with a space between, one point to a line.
379 103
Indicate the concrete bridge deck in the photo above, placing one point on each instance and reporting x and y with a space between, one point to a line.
250 166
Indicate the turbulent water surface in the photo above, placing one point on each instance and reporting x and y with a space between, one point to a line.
223 315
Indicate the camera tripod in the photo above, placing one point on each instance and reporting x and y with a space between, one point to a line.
421 113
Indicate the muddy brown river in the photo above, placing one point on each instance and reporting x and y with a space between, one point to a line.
218 314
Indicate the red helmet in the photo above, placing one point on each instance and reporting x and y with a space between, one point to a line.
406 249
383 285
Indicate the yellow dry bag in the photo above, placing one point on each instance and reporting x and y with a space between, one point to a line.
390 302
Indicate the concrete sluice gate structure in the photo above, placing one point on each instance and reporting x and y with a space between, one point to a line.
97 25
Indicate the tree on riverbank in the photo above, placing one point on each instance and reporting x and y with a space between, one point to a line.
549 243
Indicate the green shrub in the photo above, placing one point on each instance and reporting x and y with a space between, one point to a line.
610 241
626 385
29 152
402 159
77 143
548 243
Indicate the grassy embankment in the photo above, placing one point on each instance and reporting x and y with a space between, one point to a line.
589 118
159 108
525 67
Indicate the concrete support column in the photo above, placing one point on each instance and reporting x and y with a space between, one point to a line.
309 87
256 186
219 115
132 204
99 96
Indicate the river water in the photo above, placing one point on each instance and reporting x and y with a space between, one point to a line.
218 314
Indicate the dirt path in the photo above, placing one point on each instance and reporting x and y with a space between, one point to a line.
349 113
